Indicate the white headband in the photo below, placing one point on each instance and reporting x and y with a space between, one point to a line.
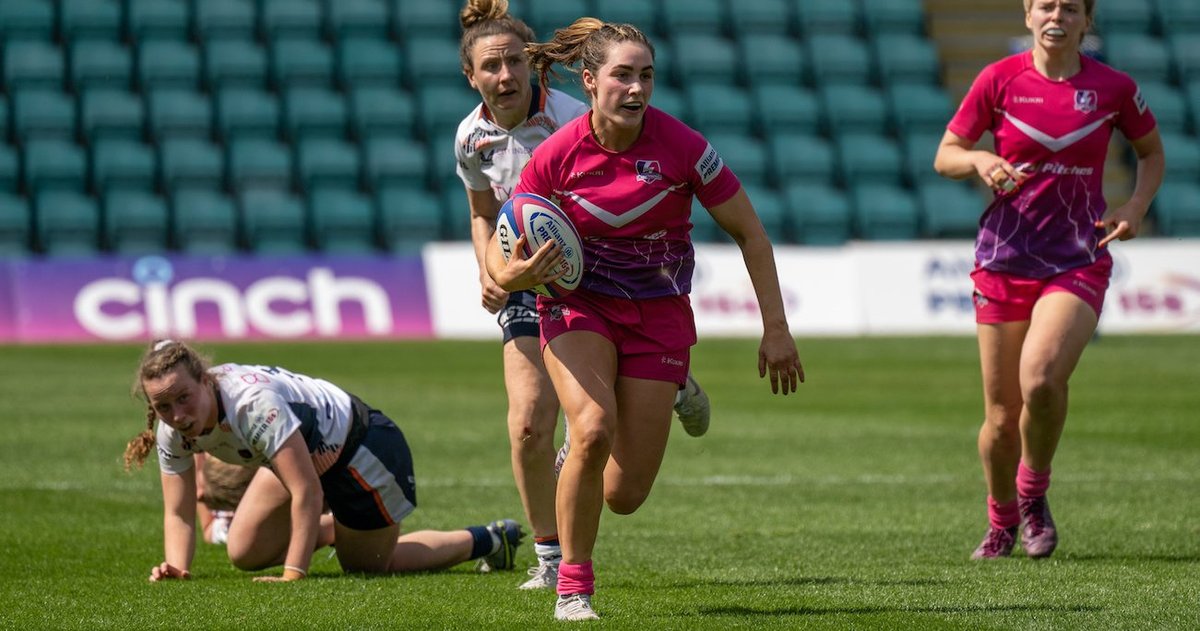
163 344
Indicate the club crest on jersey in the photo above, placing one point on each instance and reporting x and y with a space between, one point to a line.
1085 101
648 171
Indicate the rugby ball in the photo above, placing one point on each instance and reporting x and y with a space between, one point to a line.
541 221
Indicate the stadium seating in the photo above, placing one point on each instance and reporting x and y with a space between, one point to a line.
433 62
819 214
54 164
148 20
1177 17
274 222
314 112
854 108
91 19
174 113
893 17
300 19
123 164
408 218
26 19
358 19
10 169
67 223
772 59
343 221
425 19
16 226
206 222
746 155
786 109
720 107
640 13
328 163
1177 209
40 113
906 58
752 19
1126 17
362 61
691 16
234 63
1183 157
32 64
771 209
544 16
1168 104
709 59
800 158
869 158
135 222
824 17
1143 56
258 162
837 59
949 209
167 63
301 62
100 63
242 112
919 108
382 111
395 161
107 113
225 19
193 163
884 212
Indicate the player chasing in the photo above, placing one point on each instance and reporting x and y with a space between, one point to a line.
1041 262
617 349
492 145
313 443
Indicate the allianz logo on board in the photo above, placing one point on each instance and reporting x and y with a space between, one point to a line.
274 306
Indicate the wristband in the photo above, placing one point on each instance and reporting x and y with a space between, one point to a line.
293 573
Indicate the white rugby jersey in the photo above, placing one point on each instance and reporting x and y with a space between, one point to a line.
490 156
260 407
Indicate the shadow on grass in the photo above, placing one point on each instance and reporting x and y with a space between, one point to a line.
947 609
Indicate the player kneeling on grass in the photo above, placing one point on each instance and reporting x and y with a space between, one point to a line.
314 444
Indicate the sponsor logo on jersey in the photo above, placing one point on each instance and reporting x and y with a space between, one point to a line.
671 361
1085 101
648 171
1139 101
709 165
575 175
1037 100
1057 168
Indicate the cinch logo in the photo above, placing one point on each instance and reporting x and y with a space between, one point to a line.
149 304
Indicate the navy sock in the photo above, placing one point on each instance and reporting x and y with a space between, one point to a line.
484 543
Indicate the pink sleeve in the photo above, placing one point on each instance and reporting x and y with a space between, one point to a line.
1135 119
713 182
974 115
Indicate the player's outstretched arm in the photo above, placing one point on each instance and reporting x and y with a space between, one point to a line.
1124 221
777 354
179 526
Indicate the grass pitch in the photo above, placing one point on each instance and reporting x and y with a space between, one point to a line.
854 503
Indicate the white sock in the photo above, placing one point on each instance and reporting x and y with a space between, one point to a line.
548 553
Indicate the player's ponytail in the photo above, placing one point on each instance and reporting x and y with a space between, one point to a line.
484 18
160 358
583 44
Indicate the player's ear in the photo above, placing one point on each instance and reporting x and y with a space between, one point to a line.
589 82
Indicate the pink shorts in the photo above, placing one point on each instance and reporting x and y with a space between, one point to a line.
653 337
1001 297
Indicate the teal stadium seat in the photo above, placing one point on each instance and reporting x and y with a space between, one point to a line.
1145 57
1168 104
432 61
884 212
123 164
10 168
391 162
869 158
639 13
818 214
800 158
768 59
692 16
136 222
191 163
258 163
167 63
786 109
26 19
745 155
274 222
245 112
175 113
40 113
104 63
751 19
704 228
920 148
16 226
456 219
54 164
409 217
5 111
1191 93
301 62
544 16
854 109
906 58
1183 157
1185 53
377 110
442 172
1177 209
108 113
32 64
90 19
893 16
147 20
357 18
425 19
310 112
664 63
919 107
224 19
343 221
1126 16
839 59
1179 16
206 222
708 59
442 107
234 63
772 211
720 107
296 19
949 210
362 61
67 223
327 163
669 100
827 17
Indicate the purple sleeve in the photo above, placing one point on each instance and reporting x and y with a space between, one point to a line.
974 115
1135 119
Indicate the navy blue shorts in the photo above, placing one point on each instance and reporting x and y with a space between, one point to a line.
376 488
519 317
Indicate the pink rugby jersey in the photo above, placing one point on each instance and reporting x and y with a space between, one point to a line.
1058 131
633 207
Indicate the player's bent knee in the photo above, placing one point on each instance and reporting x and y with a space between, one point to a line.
625 503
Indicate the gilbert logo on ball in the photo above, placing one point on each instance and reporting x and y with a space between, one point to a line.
541 221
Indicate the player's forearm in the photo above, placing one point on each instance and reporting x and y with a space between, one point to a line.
956 162
1150 170
482 229
179 540
306 516
760 265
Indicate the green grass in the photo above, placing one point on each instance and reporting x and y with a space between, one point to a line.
853 504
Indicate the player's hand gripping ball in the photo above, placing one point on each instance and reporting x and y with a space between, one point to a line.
541 221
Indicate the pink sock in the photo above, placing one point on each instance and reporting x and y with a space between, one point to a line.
577 578
1032 483
1003 515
